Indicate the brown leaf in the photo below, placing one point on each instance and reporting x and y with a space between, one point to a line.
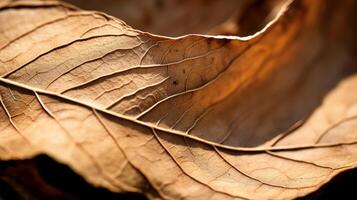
267 116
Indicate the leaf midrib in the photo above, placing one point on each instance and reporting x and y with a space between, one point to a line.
171 131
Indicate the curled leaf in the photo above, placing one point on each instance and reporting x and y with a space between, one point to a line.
268 116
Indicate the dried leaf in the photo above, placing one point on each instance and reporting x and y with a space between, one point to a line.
267 116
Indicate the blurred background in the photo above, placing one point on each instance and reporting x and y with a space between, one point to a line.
180 17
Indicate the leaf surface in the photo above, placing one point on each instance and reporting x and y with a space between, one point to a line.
267 116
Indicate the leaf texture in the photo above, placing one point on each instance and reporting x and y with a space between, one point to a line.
267 116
